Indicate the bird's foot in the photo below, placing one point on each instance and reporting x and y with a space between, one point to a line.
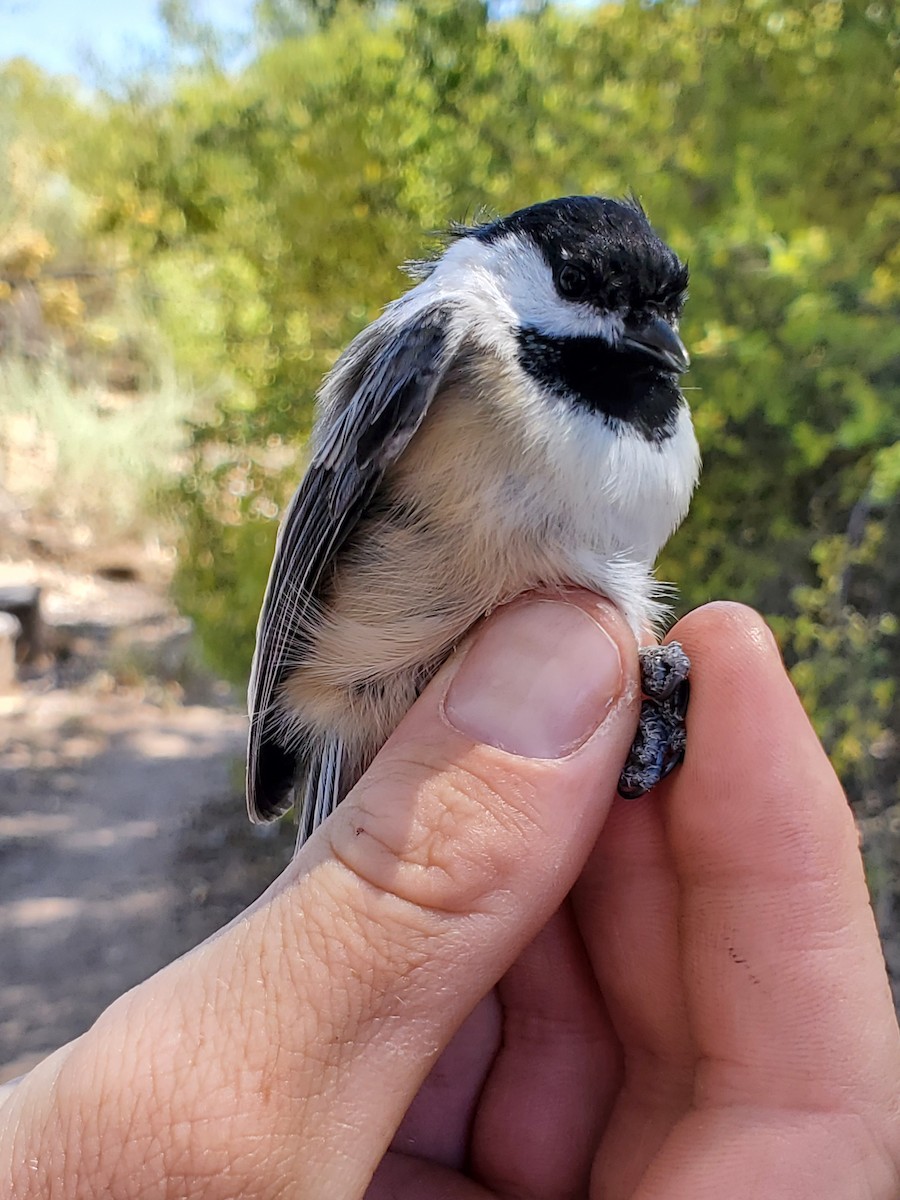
659 744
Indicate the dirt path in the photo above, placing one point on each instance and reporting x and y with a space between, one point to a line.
123 842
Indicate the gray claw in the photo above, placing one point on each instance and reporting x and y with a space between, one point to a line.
661 736
663 668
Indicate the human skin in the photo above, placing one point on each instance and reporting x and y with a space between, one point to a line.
484 977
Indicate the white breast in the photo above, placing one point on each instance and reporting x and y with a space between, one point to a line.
547 493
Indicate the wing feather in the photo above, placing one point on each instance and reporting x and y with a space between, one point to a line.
371 406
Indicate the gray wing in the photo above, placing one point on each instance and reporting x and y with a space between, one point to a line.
373 403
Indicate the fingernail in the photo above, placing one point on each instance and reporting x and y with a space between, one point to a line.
537 682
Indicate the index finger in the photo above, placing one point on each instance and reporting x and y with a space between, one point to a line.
729 926
784 981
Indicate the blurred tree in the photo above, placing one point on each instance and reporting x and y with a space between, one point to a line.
281 19
188 32
57 278
269 205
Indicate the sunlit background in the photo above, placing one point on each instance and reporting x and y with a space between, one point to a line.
76 39
201 204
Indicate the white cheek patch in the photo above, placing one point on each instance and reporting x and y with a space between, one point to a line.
511 282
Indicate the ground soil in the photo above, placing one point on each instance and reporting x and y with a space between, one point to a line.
123 835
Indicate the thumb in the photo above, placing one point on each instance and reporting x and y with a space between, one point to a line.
480 799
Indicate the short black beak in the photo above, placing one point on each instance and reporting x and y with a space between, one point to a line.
658 339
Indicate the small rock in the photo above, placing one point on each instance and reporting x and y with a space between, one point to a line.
10 631
24 603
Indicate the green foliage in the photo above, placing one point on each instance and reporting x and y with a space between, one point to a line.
268 207
280 19
846 642
92 417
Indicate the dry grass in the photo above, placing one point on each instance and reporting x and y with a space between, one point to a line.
84 455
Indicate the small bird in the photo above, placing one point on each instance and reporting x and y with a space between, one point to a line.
512 422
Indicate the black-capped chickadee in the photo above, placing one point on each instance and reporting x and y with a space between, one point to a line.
512 422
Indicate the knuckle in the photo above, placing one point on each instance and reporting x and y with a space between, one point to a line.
443 838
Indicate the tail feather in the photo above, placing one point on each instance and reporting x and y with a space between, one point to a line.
322 789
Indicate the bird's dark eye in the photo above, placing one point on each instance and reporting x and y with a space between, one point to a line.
573 281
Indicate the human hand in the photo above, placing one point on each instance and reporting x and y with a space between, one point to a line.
708 1014
709 1004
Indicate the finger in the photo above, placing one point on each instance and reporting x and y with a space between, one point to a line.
531 1128
551 1088
788 998
401 1177
795 1091
285 1051
627 905
438 1124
